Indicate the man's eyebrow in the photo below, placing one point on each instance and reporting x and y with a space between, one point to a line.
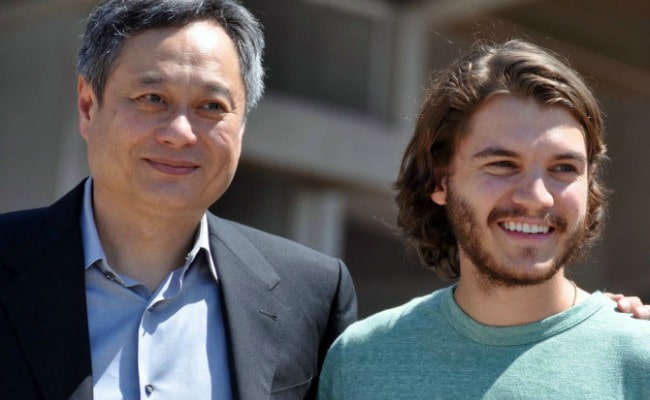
148 80
495 151
153 80
571 155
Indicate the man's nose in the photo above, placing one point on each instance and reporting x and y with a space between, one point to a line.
177 132
533 193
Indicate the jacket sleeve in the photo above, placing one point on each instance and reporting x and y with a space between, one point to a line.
343 311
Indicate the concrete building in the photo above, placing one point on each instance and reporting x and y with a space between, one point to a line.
344 82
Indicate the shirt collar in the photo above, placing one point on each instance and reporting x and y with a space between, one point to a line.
92 246
202 242
93 250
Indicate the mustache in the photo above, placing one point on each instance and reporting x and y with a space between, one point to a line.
558 222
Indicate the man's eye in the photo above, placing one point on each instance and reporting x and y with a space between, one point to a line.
212 106
565 168
502 164
154 98
501 167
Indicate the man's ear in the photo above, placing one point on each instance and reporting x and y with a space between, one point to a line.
243 128
439 195
86 104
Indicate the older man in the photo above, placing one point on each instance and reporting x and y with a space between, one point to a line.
127 287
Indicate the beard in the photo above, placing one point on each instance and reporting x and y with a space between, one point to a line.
469 236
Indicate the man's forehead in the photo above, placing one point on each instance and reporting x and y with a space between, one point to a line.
519 125
204 39
154 56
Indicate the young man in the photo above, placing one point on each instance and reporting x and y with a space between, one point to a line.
127 287
499 188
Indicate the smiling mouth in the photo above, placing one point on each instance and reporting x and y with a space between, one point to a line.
172 167
525 227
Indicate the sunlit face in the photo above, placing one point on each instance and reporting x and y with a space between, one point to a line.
168 133
517 192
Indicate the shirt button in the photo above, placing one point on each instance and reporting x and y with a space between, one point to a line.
148 389
109 275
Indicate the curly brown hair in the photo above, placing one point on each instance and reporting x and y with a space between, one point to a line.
515 67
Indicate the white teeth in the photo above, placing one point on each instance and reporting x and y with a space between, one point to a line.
525 228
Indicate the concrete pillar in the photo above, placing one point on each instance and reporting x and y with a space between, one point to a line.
410 66
317 220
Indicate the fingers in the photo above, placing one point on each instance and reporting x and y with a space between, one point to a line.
642 312
630 304
615 297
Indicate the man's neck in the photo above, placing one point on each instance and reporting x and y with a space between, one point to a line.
498 305
144 245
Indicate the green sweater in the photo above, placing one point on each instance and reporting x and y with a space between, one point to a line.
430 349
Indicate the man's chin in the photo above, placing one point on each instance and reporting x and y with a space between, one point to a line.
170 198
510 276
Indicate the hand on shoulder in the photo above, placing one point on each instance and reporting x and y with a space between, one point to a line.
631 304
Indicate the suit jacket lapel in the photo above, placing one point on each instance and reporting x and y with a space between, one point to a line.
253 315
46 305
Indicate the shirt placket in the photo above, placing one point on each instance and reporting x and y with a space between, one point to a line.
163 297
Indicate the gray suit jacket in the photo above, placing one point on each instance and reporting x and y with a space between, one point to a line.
283 304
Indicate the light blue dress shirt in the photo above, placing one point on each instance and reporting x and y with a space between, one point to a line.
169 344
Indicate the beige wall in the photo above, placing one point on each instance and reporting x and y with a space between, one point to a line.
37 107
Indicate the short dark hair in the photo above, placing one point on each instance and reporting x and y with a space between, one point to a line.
515 67
114 21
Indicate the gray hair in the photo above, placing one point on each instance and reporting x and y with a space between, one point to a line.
114 21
